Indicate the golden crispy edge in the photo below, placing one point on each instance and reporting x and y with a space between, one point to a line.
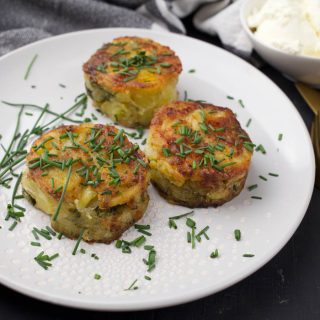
115 81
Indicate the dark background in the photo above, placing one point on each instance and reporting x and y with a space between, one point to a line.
288 287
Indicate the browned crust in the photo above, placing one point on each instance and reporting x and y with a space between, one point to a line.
103 56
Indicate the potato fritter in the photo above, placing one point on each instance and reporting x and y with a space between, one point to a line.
129 78
199 155
107 189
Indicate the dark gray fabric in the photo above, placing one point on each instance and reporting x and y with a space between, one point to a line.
25 21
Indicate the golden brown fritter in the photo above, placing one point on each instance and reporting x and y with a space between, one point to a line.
107 190
199 155
130 78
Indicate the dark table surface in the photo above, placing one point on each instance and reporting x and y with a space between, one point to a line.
288 287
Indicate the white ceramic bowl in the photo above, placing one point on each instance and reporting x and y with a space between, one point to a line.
298 68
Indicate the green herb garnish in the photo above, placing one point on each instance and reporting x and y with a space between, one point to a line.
30 66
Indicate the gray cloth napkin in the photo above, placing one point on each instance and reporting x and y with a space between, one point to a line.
25 21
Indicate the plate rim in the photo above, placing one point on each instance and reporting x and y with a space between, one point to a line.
203 291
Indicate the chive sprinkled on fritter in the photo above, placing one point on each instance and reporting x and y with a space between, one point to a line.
196 148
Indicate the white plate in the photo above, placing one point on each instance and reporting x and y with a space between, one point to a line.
181 274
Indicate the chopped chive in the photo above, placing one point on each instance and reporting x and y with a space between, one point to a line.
135 170
280 136
97 276
192 71
35 234
179 140
165 64
166 152
58 189
147 278
145 232
35 244
78 243
248 255
188 237
138 242
55 216
148 247
151 260
252 187
172 224
230 98
43 233
263 178
51 231
101 67
82 251
185 95
60 235
30 66
249 146
13 225
54 256
142 226
261 148
118 244
190 223
43 260
132 287
181 215
257 198
237 234
273 174
16 186
144 141
248 123
142 162
214 254
193 243
241 103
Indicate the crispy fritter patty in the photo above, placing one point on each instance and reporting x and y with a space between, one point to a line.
129 78
107 189
199 155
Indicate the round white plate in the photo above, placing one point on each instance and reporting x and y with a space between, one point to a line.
182 274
